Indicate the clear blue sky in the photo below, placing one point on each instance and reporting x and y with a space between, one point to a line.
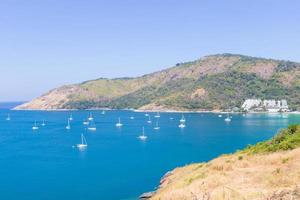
48 43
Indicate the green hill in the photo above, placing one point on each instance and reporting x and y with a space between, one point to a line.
214 82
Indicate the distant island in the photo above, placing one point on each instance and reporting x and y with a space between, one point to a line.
219 82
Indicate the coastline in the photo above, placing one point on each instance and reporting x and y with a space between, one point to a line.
159 110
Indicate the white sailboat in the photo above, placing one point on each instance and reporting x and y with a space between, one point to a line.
83 143
35 127
149 119
227 119
157 115
71 117
181 125
43 123
90 117
68 127
220 116
119 124
146 115
156 127
143 136
182 120
103 112
8 117
92 126
86 122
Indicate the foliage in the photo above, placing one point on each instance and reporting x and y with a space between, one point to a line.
286 139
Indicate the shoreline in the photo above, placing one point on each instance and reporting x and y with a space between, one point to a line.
154 111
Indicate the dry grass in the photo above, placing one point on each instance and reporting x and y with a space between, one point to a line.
236 177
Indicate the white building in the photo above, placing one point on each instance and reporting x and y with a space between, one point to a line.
265 105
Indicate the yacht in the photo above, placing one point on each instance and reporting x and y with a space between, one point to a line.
156 127
83 143
90 117
119 124
181 125
68 127
227 119
92 126
35 127
182 120
157 115
43 124
71 118
8 117
143 136
149 119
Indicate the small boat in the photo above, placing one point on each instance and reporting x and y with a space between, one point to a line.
43 124
182 120
131 117
149 119
119 124
103 112
146 115
83 143
90 117
171 118
227 119
143 136
220 116
8 117
92 126
68 127
71 118
156 127
157 115
85 122
181 125
35 127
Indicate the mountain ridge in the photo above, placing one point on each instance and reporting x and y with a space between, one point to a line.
202 84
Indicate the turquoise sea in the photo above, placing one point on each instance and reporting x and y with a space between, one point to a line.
44 165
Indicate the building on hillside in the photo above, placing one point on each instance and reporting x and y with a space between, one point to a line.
258 105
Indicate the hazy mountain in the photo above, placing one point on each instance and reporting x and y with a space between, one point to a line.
213 82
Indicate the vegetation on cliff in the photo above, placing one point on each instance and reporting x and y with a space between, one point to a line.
213 82
267 170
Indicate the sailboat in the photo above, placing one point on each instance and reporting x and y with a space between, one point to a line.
157 115
181 125
103 112
90 117
119 124
156 127
8 117
43 124
146 115
86 122
35 127
71 118
68 127
83 143
143 136
149 119
92 126
220 116
182 120
227 119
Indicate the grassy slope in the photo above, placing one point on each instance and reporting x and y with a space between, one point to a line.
225 81
262 171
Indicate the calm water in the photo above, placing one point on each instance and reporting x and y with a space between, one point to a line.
42 164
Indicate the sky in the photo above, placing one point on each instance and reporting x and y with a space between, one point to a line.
48 43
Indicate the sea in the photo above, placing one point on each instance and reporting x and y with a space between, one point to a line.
45 164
